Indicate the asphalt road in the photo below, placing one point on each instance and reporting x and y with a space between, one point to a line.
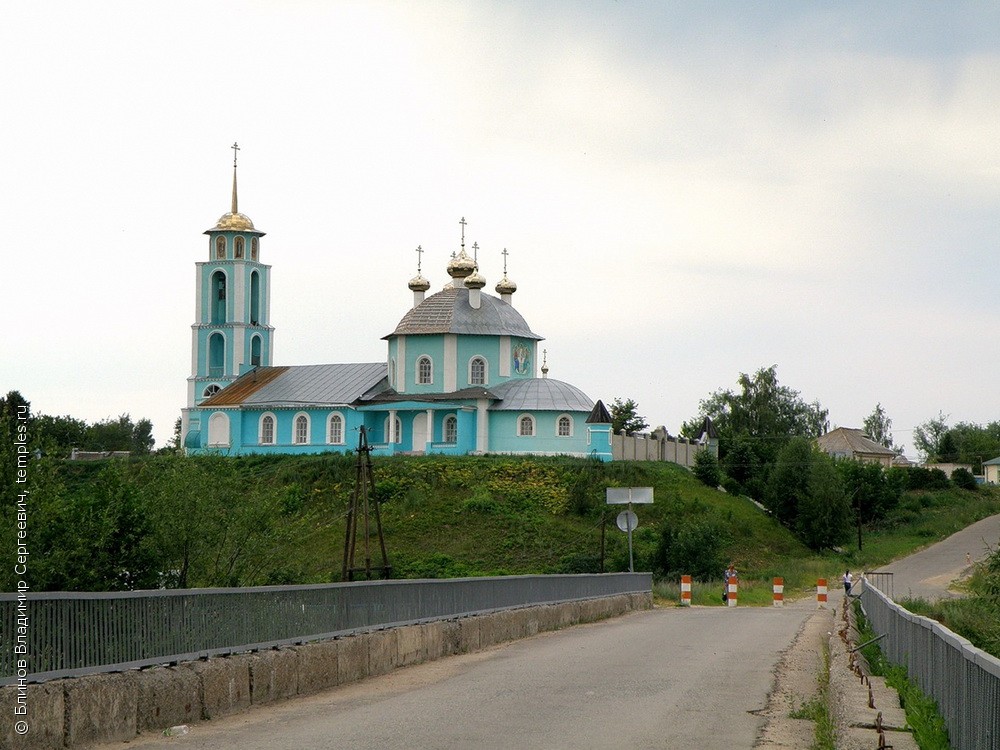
928 574
666 678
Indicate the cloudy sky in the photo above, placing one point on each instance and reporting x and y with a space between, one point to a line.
687 191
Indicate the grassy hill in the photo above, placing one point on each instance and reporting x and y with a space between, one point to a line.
281 519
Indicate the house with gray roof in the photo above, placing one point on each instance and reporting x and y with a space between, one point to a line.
461 374
846 442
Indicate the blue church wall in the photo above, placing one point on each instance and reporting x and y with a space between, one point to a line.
416 347
487 347
504 437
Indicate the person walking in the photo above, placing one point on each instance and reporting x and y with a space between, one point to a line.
848 582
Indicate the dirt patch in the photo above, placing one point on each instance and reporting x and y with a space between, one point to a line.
796 683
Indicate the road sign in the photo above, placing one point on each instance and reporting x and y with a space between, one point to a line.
627 520
629 495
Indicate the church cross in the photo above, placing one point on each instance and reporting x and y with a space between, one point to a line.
505 254
420 257
462 222
235 147
475 251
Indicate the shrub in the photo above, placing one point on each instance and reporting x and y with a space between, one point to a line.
707 468
690 548
964 479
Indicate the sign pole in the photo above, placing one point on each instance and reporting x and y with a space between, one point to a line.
631 565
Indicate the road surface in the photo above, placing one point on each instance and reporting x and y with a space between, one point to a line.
663 678
929 573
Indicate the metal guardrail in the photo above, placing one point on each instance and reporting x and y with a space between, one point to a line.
964 680
70 634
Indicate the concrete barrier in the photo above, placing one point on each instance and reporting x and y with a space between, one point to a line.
167 696
225 685
274 675
318 666
101 708
117 707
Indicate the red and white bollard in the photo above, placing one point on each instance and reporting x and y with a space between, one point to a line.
731 591
779 592
821 593
686 591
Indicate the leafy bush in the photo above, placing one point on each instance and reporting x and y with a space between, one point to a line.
707 468
964 479
691 547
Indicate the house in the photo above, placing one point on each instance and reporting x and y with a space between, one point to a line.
847 442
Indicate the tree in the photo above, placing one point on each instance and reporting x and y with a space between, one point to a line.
625 416
707 468
927 436
824 518
788 486
120 435
878 427
761 417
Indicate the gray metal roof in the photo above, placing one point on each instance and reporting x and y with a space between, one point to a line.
449 311
323 385
540 394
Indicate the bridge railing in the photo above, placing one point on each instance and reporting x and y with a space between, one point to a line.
68 634
964 680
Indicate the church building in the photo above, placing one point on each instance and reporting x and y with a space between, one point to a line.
460 376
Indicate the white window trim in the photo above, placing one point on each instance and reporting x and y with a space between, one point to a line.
534 425
219 416
486 369
430 361
295 429
343 428
392 372
399 430
444 429
274 429
572 425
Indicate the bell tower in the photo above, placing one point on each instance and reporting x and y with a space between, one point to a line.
232 332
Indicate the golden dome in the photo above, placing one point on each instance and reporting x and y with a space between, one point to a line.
506 286
461 266
475 281
419 284
234 222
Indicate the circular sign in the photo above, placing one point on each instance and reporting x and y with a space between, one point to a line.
627 520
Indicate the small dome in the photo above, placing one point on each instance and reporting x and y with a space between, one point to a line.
461 266
475 281
506 286
233 221
419 284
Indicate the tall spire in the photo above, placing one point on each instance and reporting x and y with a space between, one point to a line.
235 147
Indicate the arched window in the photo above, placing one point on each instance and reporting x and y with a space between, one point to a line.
564 427
425 370
216 355
399 431
238 245
211 391
217 299
477 371
526 425
218 430
255 351
254 248
267 430
255 299
450 429
336 432
301 436
220 247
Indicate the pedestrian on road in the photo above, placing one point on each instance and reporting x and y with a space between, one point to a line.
729 576
848 582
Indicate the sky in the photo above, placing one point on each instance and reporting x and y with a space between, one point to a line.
687 191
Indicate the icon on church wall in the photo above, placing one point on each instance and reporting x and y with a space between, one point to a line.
522 359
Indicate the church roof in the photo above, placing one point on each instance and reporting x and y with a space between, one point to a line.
449 311
301 385
600 414
539 394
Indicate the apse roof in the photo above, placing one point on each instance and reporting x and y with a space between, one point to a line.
324 385
539 394
449 311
